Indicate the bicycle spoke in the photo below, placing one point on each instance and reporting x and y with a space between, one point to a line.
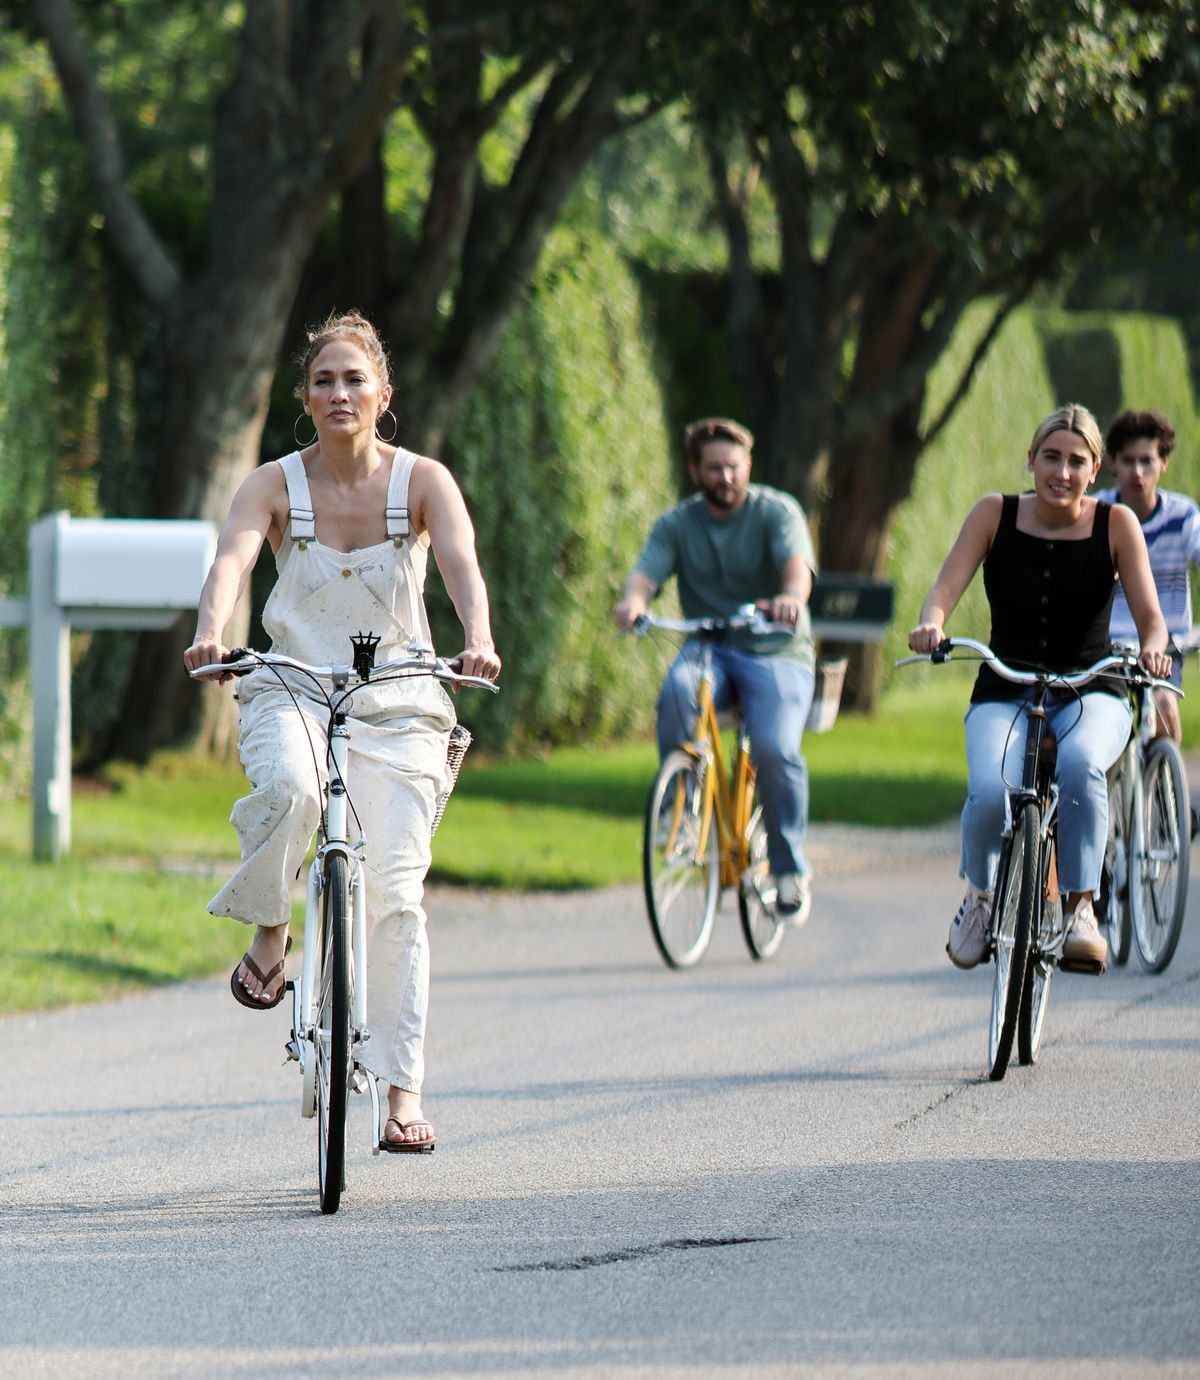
762 928
1162 866
681 867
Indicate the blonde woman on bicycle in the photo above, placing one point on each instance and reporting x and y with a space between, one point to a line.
351 520
1050 559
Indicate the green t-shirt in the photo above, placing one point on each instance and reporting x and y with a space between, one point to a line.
721 563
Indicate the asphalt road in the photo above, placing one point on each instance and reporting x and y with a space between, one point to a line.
791 1168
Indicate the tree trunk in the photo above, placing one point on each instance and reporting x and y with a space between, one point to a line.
871 478
872 467
223 347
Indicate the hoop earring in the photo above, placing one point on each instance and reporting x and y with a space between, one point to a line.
300 445
387 440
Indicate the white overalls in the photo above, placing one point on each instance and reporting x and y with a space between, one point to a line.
397 763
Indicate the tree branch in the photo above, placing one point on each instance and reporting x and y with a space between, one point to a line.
140 249
361 118
926 346
491 110
744 322
506 237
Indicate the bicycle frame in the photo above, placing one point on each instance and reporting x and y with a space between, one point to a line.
1129 765
305 992
727 795
1037 785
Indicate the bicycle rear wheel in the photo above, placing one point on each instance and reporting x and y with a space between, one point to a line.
332 1036
1039 968
1016 897
1161 863
761 925
1113 901
681 868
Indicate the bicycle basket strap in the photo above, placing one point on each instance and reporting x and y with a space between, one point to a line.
302 523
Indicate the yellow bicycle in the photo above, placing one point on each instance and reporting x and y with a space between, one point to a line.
704 831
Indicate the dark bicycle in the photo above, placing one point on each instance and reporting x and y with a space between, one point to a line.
1026 929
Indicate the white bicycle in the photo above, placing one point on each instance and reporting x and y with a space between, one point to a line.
329 1002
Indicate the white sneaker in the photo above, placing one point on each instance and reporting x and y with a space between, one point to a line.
794 902
1084 942
968 942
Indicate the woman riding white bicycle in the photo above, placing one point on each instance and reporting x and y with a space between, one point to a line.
351 520
1051 559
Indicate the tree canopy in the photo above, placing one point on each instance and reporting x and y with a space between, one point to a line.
283 115
918 156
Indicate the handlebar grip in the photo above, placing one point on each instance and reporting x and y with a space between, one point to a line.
941 652
236 654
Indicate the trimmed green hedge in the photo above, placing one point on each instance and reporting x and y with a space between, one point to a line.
564 458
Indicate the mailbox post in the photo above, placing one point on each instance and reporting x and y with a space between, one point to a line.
93 573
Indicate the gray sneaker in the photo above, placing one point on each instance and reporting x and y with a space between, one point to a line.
794 902
1084 943
968 942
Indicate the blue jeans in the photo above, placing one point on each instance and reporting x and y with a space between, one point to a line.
774 693
1091 731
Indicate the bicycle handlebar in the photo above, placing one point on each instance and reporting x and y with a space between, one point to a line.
747 616
1126 661
242 660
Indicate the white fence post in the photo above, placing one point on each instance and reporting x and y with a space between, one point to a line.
50 648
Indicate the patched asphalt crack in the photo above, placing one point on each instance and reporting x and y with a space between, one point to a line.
589 1262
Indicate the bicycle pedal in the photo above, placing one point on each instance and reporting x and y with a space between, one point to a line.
1082 965
289 985
358 1081
292 1050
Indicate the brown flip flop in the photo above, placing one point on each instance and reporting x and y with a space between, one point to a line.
399 1147
242 997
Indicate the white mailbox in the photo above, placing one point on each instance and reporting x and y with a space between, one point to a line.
93 573
128 563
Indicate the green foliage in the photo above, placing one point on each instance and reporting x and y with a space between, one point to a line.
1042 357
649 191
691 351
1114 361
562 454
52 335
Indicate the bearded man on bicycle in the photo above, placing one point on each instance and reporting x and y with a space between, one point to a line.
729 544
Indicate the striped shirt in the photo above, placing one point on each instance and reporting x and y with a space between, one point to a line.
1172 533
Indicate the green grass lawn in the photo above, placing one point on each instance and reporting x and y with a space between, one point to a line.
120 913
84 931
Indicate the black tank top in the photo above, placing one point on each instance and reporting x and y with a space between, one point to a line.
1050 602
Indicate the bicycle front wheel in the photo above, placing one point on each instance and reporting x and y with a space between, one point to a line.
1113 902
332 1036
681 862
1161 862
1039 968
1016 899
761 925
